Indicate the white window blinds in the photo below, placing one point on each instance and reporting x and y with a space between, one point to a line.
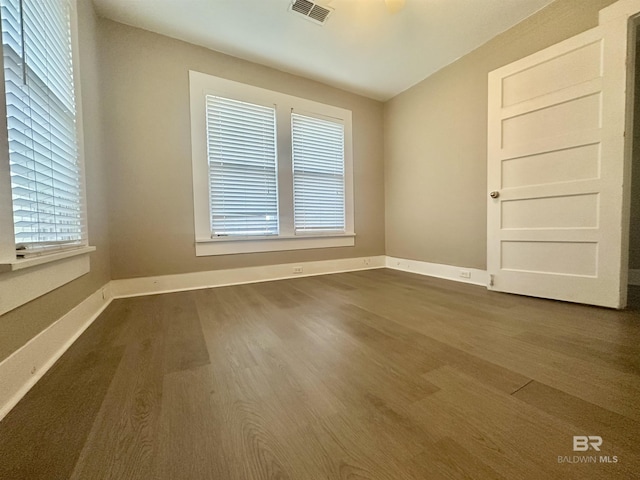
318 174
46 177
241 141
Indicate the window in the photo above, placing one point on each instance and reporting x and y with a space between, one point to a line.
46 175
241 149
270 171
318 174
42 208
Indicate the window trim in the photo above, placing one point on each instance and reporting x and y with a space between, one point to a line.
200 85
35 276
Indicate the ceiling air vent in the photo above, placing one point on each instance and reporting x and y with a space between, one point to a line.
311 11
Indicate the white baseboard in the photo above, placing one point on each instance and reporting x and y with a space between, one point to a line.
634 276
133 287
448 272
23 368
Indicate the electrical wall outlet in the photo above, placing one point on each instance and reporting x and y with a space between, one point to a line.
465 274
297 270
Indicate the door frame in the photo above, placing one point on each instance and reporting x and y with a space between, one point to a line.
624 15
633 36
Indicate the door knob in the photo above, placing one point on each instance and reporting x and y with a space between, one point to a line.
494 194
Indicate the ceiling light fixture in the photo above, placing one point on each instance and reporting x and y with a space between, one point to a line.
394 6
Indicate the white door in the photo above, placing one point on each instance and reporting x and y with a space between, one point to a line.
557 227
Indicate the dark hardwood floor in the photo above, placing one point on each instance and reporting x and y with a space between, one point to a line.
365 375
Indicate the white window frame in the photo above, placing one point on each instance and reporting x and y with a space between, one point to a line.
22 280
202 85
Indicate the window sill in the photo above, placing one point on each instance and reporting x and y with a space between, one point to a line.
22 281
20 264
235 245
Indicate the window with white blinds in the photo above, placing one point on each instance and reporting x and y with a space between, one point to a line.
46 174
271 172
241 148
318 174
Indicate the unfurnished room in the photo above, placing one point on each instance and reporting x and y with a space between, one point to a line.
320 239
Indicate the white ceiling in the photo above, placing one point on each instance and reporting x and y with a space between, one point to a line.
362 47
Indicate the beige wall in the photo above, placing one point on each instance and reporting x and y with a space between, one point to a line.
21 324
149 150
436 143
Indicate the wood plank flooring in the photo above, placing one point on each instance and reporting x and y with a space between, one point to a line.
365 375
